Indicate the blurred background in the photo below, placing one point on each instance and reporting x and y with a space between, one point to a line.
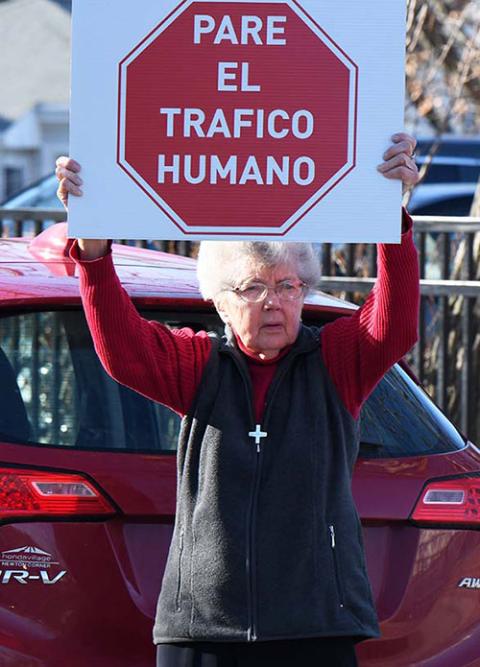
442 109
442 95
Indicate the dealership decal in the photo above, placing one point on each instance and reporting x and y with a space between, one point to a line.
469 582
28 564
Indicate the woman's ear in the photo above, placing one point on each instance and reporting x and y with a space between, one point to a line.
219 304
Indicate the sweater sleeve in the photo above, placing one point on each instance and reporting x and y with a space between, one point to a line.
358 350
163 364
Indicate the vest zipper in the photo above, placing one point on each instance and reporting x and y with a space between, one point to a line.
252 632
251 549
252 512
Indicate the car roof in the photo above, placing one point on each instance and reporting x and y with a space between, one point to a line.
37 271
40 194
432 193
451 145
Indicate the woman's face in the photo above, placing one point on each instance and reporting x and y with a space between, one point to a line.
268 326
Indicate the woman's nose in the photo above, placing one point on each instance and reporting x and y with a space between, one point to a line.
272 300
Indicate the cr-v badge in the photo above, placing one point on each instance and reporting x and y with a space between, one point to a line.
28 564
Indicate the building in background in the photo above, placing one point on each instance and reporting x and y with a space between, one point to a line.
35 76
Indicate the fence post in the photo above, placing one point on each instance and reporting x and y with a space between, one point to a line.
442 366
468 389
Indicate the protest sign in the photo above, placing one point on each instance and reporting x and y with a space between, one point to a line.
236 119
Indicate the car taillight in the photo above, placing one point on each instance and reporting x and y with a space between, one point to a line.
38 494
450 501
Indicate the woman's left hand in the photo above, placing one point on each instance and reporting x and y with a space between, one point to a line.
399 160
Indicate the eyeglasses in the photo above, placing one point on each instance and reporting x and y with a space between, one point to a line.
255 292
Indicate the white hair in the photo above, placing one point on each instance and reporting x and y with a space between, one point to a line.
219 262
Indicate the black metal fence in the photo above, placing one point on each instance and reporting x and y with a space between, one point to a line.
447 356
32 221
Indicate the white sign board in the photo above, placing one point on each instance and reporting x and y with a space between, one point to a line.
236 118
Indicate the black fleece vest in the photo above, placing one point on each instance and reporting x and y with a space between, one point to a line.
267 542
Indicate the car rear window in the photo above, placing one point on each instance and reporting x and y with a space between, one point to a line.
399 419
54 391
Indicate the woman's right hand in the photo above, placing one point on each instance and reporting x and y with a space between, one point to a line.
69 183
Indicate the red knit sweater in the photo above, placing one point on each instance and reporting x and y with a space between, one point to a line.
166 365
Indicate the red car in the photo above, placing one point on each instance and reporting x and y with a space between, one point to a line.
87 492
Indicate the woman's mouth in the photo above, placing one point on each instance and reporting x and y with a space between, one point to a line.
272 327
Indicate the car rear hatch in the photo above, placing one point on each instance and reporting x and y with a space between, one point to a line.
88 492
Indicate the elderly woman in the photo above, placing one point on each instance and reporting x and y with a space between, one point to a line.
266 564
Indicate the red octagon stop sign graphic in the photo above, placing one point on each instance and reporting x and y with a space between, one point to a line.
237 117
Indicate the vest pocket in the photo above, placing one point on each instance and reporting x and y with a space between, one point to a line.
178 605
336 565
